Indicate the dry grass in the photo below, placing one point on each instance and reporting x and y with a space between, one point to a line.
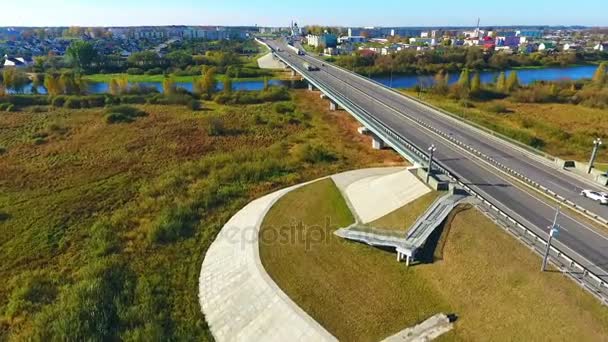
133 177
487 278
565 129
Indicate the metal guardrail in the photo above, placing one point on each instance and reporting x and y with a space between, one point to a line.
494 162
587 279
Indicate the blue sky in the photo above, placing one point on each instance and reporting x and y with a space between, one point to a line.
279 13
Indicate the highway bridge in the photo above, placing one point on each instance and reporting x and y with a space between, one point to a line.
488 165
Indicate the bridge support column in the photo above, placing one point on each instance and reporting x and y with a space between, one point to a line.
332 105
293 73
407 260
323 96
377 143
311 87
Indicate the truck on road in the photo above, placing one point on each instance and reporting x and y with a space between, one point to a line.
310 67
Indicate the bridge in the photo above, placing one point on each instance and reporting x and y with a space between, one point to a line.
514 183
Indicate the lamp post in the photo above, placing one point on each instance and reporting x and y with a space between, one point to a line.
554 231
596 145
431 150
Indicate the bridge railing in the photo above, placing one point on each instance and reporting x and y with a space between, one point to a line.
567 265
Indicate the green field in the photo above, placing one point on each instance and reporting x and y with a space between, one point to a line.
562 130
104 226
481 274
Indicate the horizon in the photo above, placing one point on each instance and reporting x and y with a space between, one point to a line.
263 13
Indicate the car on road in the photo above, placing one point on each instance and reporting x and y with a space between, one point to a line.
601 197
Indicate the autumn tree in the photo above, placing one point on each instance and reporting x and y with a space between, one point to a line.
169 86
600 77
52 85
501 82
227 85
512 82
476 83
465 79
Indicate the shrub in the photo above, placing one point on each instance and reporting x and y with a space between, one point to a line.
58 101
284 107
216 127
3 150
39 141
314 154
132 99
135 71
72 102
497 108
11 108
123 114
3 106
194 105
155 71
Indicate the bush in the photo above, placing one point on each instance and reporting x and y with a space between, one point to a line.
10 108
194 105
58 101
216 127
3 106
135 71
39 141
284 107
155 71
497 108
39 109
72 102
3 150
123 114
132 99
314 154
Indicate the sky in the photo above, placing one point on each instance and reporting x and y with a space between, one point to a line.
305 12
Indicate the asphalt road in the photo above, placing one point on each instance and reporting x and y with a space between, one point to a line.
587 246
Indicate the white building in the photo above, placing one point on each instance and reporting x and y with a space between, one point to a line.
601 47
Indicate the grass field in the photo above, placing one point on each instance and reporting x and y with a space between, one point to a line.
104 226
484 276
562 130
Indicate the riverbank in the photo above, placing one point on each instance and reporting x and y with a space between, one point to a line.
106 78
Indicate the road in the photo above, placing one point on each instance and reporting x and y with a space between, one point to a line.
582 242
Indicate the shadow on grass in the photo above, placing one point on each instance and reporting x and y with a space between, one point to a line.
4 216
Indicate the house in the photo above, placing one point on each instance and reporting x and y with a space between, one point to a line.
325 40
546 46
17 62
602 47
528 48
572 47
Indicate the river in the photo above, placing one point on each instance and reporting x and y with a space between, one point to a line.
526 76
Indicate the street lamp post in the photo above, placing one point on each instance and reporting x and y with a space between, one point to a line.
596 145
554 231
431 150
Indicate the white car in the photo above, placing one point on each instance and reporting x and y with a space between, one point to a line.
601 197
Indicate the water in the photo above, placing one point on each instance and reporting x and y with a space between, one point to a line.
526 76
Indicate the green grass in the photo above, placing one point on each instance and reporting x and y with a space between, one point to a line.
484 276
602 166
403 218
113 220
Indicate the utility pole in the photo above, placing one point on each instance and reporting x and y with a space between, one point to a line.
554 231
596 145
431 150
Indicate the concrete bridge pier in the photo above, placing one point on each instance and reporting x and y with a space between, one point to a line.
293 73
323 96
311 87
377 143
401 256
333 106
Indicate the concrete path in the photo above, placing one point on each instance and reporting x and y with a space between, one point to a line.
425 331
269 62
375 195
239 299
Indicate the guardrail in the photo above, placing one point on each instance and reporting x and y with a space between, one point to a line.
586 278
494 162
